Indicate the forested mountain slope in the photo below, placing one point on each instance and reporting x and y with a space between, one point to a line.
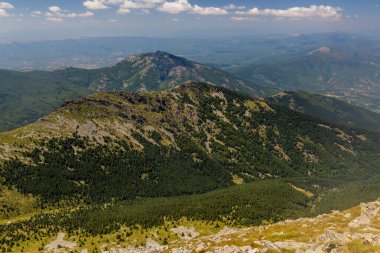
26 96
327 108
190 139
154 71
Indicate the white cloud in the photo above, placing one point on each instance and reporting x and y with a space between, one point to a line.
55 9
172 7
5 5
208 10
57 15
95 5
127 5
3 13
176 7
179 6
313 11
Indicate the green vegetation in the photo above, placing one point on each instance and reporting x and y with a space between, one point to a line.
211 137
348 194
139 160
101 173
328 109
270 200
27 96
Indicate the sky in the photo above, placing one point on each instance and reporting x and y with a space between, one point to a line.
62 19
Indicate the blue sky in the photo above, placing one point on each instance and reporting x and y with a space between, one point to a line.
58 19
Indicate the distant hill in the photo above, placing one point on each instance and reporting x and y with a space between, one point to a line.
349 76
154 71
26 96
327 108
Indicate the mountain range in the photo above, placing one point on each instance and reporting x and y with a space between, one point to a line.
350 76
26 96
161 153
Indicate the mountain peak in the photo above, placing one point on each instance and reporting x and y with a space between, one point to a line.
160 70
162 53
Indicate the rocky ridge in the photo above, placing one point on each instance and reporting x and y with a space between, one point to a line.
338 232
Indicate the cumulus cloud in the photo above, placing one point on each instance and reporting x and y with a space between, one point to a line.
57 15
95 5
3 7
313 11
179 6
176 7
127 5
172 7
3 13
55 9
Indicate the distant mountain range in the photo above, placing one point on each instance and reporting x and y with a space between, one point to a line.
153 71
26 96
350 76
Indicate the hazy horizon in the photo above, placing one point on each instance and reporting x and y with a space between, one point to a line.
23 20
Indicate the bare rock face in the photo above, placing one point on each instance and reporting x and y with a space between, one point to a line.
235 249
60 245
150 247
368 212
330 236
185 233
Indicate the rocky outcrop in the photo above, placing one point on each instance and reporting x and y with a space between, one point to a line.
333 233
368 212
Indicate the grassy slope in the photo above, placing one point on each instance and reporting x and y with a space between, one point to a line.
261 202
